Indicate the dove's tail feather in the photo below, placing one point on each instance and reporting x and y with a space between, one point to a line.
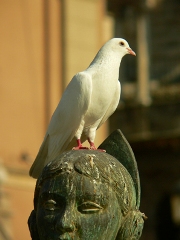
67 143
39 162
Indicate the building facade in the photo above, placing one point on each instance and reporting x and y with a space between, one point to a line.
42 45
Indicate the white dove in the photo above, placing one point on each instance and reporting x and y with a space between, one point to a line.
89 99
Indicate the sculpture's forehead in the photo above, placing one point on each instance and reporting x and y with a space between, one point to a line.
77 186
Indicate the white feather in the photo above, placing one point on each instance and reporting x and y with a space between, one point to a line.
89 99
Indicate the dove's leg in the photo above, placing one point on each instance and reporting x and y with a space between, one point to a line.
91 133
92 146
78 137
91 137
79 145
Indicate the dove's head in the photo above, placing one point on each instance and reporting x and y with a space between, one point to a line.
121 45
112 51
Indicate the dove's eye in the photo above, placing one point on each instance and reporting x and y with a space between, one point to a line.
121 43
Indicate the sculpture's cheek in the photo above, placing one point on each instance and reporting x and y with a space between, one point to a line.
103 225
45 225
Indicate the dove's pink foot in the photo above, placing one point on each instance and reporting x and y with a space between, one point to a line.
92 147
79 146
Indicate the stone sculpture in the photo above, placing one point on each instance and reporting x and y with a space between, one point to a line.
89 195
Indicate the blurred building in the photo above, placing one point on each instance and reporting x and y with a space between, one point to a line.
43 44
149 112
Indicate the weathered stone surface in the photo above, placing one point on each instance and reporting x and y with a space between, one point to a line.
87 195
117 146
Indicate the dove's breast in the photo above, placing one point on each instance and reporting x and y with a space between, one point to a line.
104 90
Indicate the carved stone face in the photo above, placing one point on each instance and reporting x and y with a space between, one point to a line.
73 206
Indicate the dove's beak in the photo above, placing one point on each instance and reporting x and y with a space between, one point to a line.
130 51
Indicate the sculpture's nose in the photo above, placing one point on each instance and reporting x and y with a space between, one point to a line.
65 221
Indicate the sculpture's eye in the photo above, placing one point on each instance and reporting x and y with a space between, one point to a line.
122 43
50 205
89 207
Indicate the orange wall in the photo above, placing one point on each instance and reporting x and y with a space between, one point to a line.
19 191
21 78
31 81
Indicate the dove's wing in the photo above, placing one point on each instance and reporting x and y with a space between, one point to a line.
113 105
65 121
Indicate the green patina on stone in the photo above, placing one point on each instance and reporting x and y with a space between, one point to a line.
89 195
117 146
